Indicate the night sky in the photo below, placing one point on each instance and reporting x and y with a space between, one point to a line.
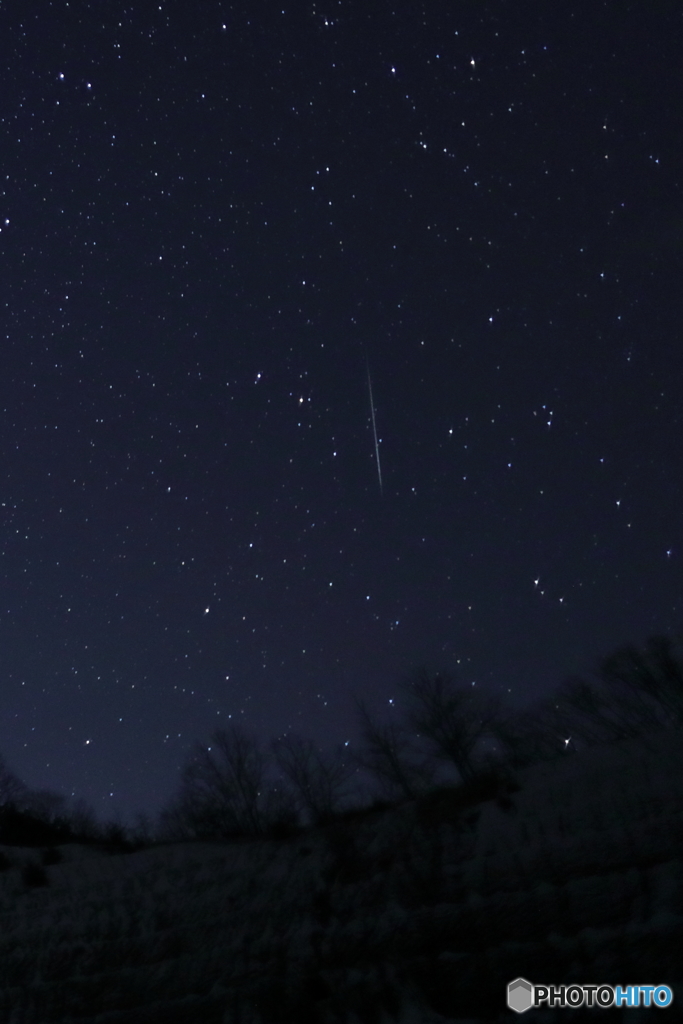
223 227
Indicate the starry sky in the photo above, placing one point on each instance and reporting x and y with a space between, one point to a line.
224 228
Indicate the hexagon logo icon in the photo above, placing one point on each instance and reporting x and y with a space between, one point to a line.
520 995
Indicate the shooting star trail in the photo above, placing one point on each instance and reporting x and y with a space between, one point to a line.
374 428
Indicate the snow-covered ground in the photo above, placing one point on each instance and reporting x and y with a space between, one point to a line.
419 915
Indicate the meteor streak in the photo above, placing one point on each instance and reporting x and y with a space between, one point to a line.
374 428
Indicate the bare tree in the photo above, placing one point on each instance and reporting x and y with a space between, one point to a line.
222 789
177 820
531 735
649 684
142 832
280 810
12 789
319 779
83 819
634 692
588 712
453 718
388 755
45 804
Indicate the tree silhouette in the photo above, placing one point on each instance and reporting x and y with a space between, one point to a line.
222 789
635 692
319 779
529 736
654 678
12 789
388 755
452 718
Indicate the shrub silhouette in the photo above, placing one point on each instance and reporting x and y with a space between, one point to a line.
51 855
20 828
115 839
34 875
283 828
448 803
